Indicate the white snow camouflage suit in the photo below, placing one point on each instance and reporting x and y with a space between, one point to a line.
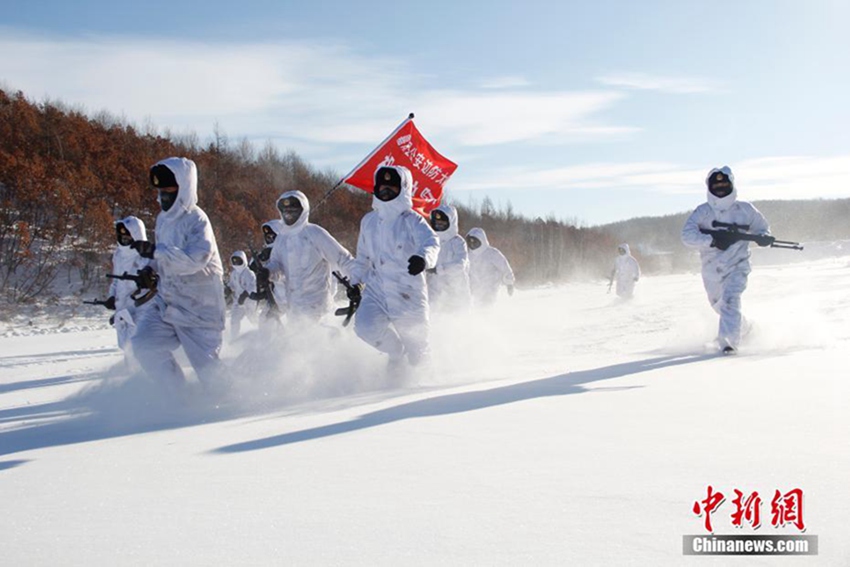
394 315
127 260
448 288
242 280
724 272
488 270
303 256
188 309
626 272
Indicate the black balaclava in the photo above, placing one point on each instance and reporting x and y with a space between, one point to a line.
473 242
387 184
622 251
123 235
290 210
269 235
236 260
162 178
439 220
719 184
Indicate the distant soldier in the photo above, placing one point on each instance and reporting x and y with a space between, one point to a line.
626 272
126 260
488 269
448 281
243 283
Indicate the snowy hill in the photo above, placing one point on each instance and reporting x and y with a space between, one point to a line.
563 428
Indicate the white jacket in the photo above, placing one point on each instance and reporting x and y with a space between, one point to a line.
450 283
488 269
626 267
186 257
389 235
718 264
241 278
125 259
303 256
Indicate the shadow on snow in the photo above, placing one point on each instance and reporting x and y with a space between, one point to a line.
135 407
560 385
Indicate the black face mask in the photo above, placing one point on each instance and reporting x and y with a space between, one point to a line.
721 190
236 261
473 242
268 236
123 235
719 185
622 252
387 193
167 199
290 210
439 221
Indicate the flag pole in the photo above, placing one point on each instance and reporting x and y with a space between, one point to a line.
356 167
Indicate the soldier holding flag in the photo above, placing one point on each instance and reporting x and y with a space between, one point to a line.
395 246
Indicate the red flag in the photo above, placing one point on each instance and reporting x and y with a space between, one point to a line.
408 148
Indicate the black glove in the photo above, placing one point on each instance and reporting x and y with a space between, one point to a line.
765 240
722 239
144 248
112 320
353 293
110 303
265 254
510 290
147 278
242 297
415 265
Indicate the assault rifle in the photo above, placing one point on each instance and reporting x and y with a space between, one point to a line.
265 288
731 233
353 294
104 302
145 279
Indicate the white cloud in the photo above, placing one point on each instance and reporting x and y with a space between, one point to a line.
675 85
507 82
784 177
307 93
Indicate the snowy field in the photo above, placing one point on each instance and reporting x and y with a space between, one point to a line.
562 428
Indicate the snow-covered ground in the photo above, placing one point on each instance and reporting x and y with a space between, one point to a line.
563 428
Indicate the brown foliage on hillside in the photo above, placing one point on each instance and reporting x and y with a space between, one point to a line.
65 178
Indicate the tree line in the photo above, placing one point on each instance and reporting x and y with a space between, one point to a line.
65 177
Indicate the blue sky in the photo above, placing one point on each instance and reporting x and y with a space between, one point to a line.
590 111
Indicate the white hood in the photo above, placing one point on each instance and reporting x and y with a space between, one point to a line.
186 173
239 254
135 226
625 247
452 231
275 225
480 235
284 228
402 203
725 203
